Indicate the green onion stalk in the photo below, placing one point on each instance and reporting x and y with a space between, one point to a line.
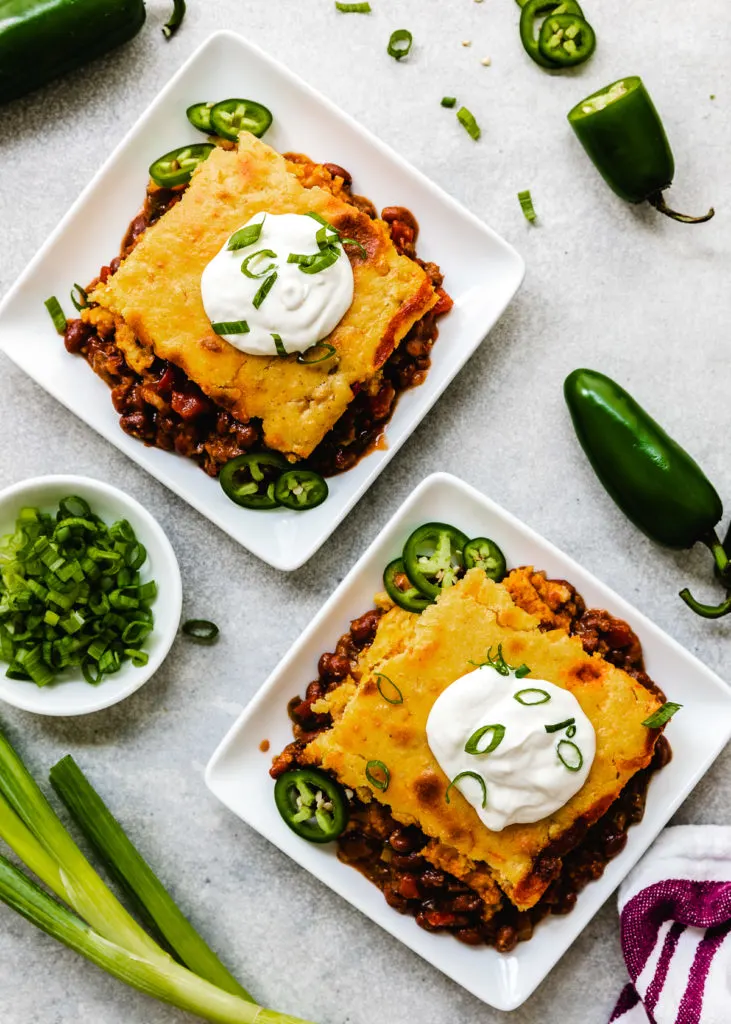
97 926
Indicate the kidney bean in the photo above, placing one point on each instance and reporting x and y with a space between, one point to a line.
76 335
333 667
614 844
394 898
409 888
314 690
433 879
408 862
189 406
364 628
506 939
406 839
467 904
470 936
339 172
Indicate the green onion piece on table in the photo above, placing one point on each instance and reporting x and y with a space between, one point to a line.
662 716
526 205
623 136
137 878
467 119
399 45
56 314
654 481
201 630
361 8
449 101
175 20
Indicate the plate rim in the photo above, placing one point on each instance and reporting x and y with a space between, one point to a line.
137 452
259 699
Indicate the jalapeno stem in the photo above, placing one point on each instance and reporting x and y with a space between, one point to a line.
658 201
706 611
720 556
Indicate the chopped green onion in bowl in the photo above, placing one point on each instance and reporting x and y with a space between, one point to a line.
80 605
71 595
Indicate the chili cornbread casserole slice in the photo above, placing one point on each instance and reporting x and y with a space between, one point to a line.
436 859
147 317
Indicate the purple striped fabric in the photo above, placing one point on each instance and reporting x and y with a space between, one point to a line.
700 911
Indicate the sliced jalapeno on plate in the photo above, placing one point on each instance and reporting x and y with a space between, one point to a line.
199 115
433 557
177 166
566 39
401 590
486 555
300 489
313 805
249 480
230 117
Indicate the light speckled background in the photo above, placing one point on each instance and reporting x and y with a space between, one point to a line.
610 286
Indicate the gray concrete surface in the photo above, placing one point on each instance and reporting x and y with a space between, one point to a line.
614 287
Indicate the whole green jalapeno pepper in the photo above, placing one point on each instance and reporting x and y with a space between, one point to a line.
652 479
622 133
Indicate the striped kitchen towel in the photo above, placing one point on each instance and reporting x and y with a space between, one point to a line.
675 920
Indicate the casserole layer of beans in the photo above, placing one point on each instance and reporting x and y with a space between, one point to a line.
164 409
388 853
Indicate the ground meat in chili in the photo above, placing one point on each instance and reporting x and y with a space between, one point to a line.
388 853
161 407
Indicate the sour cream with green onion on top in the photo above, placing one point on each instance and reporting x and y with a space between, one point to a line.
516 748
280 284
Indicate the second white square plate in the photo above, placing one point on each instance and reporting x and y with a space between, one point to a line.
482 273
238 771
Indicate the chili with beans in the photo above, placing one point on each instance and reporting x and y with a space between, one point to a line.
161 406
389 853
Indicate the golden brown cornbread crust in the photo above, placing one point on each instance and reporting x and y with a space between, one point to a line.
423 655
155 293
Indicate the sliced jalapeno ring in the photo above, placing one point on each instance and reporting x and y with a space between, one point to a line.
486 555
177 166
300 489
433 557
401 590
566 39
249 480
532 11
199 115
230 117
312 803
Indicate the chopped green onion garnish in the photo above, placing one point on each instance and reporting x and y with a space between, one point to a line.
571 757
56 313
467 119
472 746
364 8
82 302
328 353
354 241
400 43
394 696
662 715
560 726
279 345
175 20
526 205
246 236
261 254
449 101
264 290
468 775
532 696
231 327
202 630
380 781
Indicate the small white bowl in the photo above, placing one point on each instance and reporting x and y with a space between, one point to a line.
71 694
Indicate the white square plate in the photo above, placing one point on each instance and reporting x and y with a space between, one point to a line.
238 771
482 274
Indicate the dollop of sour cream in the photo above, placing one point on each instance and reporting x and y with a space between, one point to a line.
301 309
534 768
